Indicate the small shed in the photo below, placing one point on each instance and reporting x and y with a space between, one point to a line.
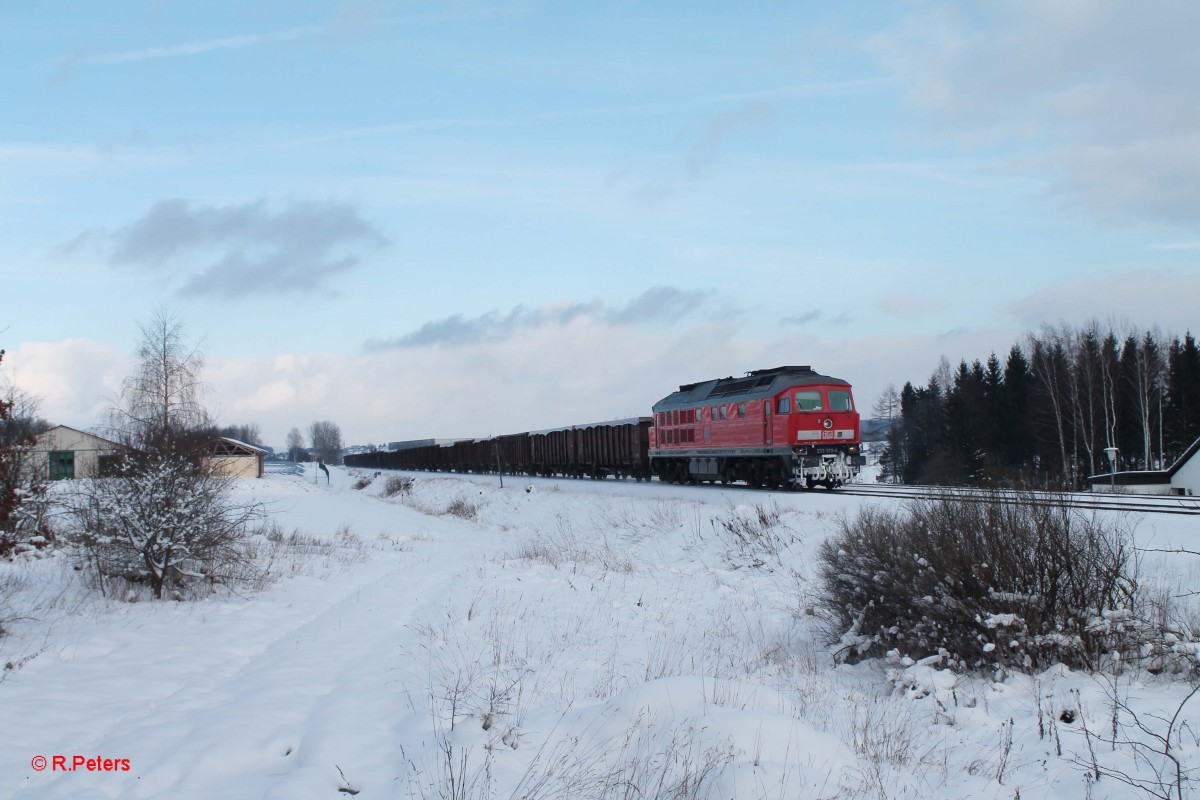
62 453
235 459
1182 477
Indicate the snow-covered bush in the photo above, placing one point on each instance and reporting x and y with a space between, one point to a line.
163 521
1012 581
24 508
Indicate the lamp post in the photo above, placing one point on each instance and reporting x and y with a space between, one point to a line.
1111 453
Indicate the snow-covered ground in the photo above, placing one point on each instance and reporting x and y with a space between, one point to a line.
553 638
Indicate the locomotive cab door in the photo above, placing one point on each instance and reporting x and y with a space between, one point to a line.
767 433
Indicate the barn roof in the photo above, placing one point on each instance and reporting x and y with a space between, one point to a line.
88 434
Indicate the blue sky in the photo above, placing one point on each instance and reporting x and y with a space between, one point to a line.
460 219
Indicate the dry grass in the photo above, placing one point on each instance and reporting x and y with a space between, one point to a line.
397 484
462 508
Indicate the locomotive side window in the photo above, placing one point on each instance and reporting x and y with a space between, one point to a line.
722 412
840 401
808 401
785 405
741 409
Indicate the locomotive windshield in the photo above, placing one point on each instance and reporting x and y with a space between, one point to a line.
840 401
808 401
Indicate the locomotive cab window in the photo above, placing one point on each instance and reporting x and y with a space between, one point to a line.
808 401
785 405
840 401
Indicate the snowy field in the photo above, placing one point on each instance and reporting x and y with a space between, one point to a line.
551 639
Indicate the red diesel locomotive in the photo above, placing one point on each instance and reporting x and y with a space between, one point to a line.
782 427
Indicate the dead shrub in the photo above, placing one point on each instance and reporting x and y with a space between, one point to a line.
757 533
397 484
1014 581
462 508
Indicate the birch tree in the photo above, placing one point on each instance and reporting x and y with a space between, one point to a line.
160 408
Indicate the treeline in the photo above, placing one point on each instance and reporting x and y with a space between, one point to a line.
1044 416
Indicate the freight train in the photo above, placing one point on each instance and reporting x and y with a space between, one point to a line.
785 427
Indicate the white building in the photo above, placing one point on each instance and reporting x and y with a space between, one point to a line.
63 453
235 459
1182 477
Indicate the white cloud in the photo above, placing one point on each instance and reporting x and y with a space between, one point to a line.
76 380
1161 297
582 370
664 304
194 48
1104 95
240 249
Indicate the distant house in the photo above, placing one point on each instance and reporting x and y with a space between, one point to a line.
1182 477
62 453
234 459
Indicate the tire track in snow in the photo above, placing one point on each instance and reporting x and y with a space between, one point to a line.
325 690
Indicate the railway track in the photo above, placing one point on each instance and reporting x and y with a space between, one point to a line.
1136 504
1139 504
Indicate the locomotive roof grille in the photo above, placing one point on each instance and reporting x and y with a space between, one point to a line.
764 376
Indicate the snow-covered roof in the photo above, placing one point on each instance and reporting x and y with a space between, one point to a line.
237 444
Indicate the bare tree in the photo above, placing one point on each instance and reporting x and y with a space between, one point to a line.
295 443
326 440
248 433
1049 364
1148 379
888 405
160 403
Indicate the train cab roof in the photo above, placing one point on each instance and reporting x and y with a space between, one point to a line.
757 384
